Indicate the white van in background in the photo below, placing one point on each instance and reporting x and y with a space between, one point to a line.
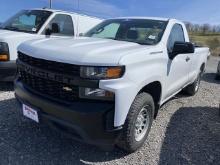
33 24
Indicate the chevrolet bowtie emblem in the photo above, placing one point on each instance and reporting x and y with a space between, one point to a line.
68 89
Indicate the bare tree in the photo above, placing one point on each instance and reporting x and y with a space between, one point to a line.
189 26
205 28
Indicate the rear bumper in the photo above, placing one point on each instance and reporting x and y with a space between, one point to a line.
7 70
91 122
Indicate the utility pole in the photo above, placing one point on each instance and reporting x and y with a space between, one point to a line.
50 1
78 5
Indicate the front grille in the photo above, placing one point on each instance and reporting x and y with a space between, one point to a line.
50 88
52 66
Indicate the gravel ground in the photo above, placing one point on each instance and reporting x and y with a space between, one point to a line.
186 131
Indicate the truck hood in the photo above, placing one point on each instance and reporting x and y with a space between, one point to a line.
14 39
7 35
82 50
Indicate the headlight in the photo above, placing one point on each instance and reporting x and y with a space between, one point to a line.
95 94
4 52
113 72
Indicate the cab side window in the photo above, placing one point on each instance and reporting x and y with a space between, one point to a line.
62 24
176 34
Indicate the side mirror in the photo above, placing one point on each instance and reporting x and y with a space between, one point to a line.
47 32
182 48
54 29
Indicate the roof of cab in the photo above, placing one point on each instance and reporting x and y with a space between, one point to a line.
132 17
152 18
62 11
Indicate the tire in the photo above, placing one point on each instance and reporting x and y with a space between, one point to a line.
131 139
217 77
193 88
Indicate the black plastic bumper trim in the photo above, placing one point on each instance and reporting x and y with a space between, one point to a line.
87 120
7 70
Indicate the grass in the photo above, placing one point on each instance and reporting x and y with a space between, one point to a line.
212 40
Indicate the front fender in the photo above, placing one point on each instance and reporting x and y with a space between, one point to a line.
138 74
125 92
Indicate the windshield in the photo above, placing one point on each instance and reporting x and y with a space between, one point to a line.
141 31
29 21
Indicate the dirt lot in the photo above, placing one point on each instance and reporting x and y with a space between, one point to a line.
186 131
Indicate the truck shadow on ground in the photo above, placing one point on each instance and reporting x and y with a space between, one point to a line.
25 142
210 78
192 137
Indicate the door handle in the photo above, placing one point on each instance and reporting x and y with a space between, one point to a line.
187 59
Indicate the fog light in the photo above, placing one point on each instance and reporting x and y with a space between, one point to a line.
96 94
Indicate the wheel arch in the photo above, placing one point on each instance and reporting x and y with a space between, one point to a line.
202 67
155 90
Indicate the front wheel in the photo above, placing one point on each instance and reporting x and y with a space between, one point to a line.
193 88
138 123
217 77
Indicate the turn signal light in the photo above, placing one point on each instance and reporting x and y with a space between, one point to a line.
4 57
114 72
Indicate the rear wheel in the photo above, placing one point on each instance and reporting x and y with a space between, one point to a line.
138 123
193 88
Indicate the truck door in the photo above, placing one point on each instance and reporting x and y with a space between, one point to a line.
177 68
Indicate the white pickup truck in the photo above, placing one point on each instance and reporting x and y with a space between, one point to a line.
37 23
107 87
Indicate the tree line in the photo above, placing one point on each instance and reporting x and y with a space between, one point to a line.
202 28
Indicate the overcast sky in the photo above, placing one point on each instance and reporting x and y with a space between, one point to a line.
196 11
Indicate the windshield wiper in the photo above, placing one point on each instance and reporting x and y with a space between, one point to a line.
110 38
140 43
11 28
16 29
143 43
